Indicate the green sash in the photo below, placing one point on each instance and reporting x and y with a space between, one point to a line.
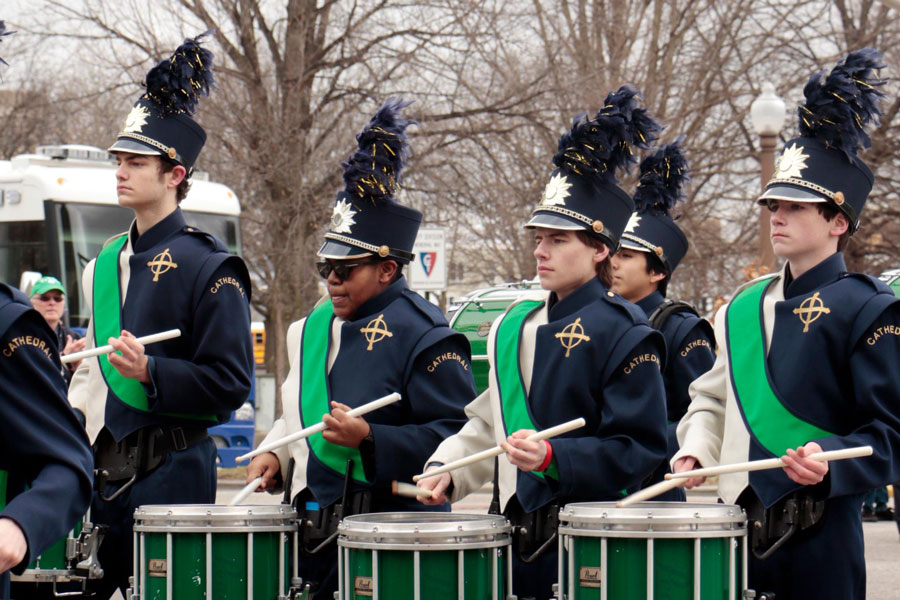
4 476
770 422
314 391
107 314
511 386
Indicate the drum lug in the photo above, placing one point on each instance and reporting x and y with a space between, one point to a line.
298 590
87 545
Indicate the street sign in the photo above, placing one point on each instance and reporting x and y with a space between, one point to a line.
428 269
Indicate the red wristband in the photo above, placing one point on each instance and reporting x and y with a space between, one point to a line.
547 458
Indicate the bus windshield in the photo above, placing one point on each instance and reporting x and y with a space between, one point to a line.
81 229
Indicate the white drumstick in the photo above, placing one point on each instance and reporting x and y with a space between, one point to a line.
771 463
147 339
409 490
497 450
246 491
320 426
650 492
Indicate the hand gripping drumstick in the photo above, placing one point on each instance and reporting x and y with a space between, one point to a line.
674 480
147 339
497 450
320 426
246 491
771 463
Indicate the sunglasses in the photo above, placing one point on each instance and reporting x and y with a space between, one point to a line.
49 298
341 269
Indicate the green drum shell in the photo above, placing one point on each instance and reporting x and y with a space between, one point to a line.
417 555
187 552
692 551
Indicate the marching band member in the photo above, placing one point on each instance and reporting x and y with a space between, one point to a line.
807 360
372 336
147 410
578 351
652 246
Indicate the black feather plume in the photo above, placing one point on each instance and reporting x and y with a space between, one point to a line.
596 148
373 171
663 175
3 33
176 84
840 106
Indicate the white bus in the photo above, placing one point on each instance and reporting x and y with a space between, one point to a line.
59 205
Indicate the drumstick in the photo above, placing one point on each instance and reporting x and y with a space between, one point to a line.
650 492
320 426
409 490
246 491
771 463
147 339
497 450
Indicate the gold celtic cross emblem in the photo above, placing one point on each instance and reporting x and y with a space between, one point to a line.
572 335
811 309
376 330
161 263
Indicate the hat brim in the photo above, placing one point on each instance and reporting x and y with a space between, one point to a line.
133 147
789 193
626 243
58 288
340 251
552 221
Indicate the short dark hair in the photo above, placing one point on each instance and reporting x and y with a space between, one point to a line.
830 212
655 265
165 166
602 268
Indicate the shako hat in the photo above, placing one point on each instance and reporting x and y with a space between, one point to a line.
366 220
822 164
4 33
161 122
582 193
651 228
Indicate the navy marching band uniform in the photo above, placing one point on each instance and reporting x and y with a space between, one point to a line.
690 342
591 355
150 440
45 463
394 342
808 358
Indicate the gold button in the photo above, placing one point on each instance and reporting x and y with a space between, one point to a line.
659 251
384 251
838 198
171 152
597 226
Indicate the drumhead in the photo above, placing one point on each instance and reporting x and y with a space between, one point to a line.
423 531
653 519
201 518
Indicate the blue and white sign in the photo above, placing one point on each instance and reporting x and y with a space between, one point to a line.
428 269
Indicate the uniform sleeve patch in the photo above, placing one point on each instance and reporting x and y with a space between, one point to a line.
447 356
638 360
695 344
223 281
25 341
881 332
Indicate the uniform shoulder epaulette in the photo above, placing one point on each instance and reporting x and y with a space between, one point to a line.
878 285
429 310
633 311
217 244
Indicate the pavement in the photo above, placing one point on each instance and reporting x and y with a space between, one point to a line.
882 538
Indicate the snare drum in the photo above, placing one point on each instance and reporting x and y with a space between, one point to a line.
419 555
187 552
652 551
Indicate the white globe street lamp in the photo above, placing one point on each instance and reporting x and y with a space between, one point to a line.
767 117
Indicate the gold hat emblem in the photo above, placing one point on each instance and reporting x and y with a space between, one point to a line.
136 119
791 164
161 263
838 198
572 335
556 191
375 331
383 251
597 226
811 309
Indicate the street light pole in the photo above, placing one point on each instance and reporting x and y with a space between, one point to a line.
767 116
